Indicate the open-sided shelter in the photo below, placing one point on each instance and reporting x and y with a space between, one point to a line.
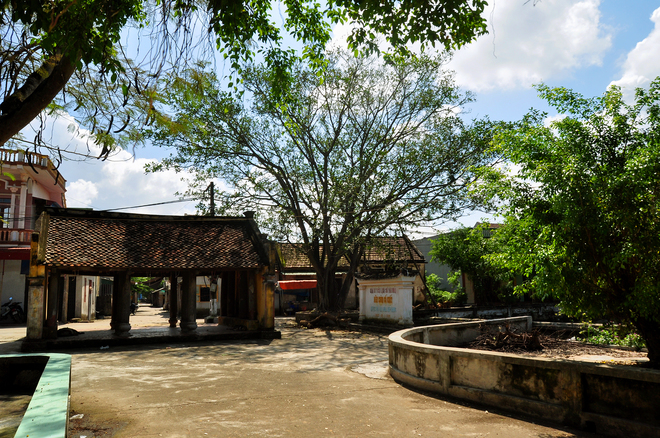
120 245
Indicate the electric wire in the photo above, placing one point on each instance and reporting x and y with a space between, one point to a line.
150 205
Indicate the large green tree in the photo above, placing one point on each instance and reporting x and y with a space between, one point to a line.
100 59
469 250
583 212
366 149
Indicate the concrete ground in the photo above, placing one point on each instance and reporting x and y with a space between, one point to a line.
310 383
148 324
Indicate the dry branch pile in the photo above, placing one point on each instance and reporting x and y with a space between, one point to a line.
511 341
325 320
553 345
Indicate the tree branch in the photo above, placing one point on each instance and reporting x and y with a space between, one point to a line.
39 90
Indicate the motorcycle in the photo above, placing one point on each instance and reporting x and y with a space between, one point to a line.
12 309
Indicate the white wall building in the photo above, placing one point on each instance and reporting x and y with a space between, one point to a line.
28 181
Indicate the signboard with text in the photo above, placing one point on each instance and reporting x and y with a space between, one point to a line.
387 299
382 302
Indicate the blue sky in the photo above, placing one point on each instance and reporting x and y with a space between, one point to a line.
585 45
622 24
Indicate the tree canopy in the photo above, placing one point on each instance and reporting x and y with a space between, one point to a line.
469 250
101 59
583 211
367 149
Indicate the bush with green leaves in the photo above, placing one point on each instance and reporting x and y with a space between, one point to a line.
468 250
620 335
455 297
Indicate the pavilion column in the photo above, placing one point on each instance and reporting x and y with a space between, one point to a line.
174 300
188 301
65 300
36 294
35 308
50 327
265 300
121 304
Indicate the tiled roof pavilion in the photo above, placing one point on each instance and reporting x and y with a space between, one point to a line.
83 240
381 249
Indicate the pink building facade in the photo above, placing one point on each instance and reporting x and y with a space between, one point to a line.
28 182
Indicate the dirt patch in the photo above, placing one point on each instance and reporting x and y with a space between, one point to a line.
553 346
12 409
82 425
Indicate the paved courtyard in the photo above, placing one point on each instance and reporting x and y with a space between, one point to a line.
310 383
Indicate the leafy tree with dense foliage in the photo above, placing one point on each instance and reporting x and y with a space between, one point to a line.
469 250
367 149
440 294
140 286
583 211
101 59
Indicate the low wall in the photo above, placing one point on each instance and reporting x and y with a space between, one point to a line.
538 311
611 400
49 375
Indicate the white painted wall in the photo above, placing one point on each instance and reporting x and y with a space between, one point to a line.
86 291
387 299
12 283
202 282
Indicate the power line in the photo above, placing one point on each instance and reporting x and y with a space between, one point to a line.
12 218
65 151
151 205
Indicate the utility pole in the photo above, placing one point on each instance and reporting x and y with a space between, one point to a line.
211 189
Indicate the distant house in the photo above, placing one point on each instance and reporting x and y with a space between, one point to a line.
296 288
205 292
28 182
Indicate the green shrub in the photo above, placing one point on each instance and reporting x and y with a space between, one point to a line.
620 335
444 296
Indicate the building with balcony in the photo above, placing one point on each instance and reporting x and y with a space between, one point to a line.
28 183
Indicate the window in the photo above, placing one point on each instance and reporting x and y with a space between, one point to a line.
5 213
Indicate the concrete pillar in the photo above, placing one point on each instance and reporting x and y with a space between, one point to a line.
265 301
65 300
121 304
50 328
35 307
22 206
252 295
362 300
188 302
173 300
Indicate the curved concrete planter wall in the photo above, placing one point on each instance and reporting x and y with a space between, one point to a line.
610 400
47 415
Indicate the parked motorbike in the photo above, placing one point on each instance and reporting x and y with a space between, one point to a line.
12 309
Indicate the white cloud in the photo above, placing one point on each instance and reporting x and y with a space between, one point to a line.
550 119
119 181
529 44
642 64
124 183
81 193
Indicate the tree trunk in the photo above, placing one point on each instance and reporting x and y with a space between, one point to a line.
345 288
329 299
20 113
348 281
334 301
650 331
